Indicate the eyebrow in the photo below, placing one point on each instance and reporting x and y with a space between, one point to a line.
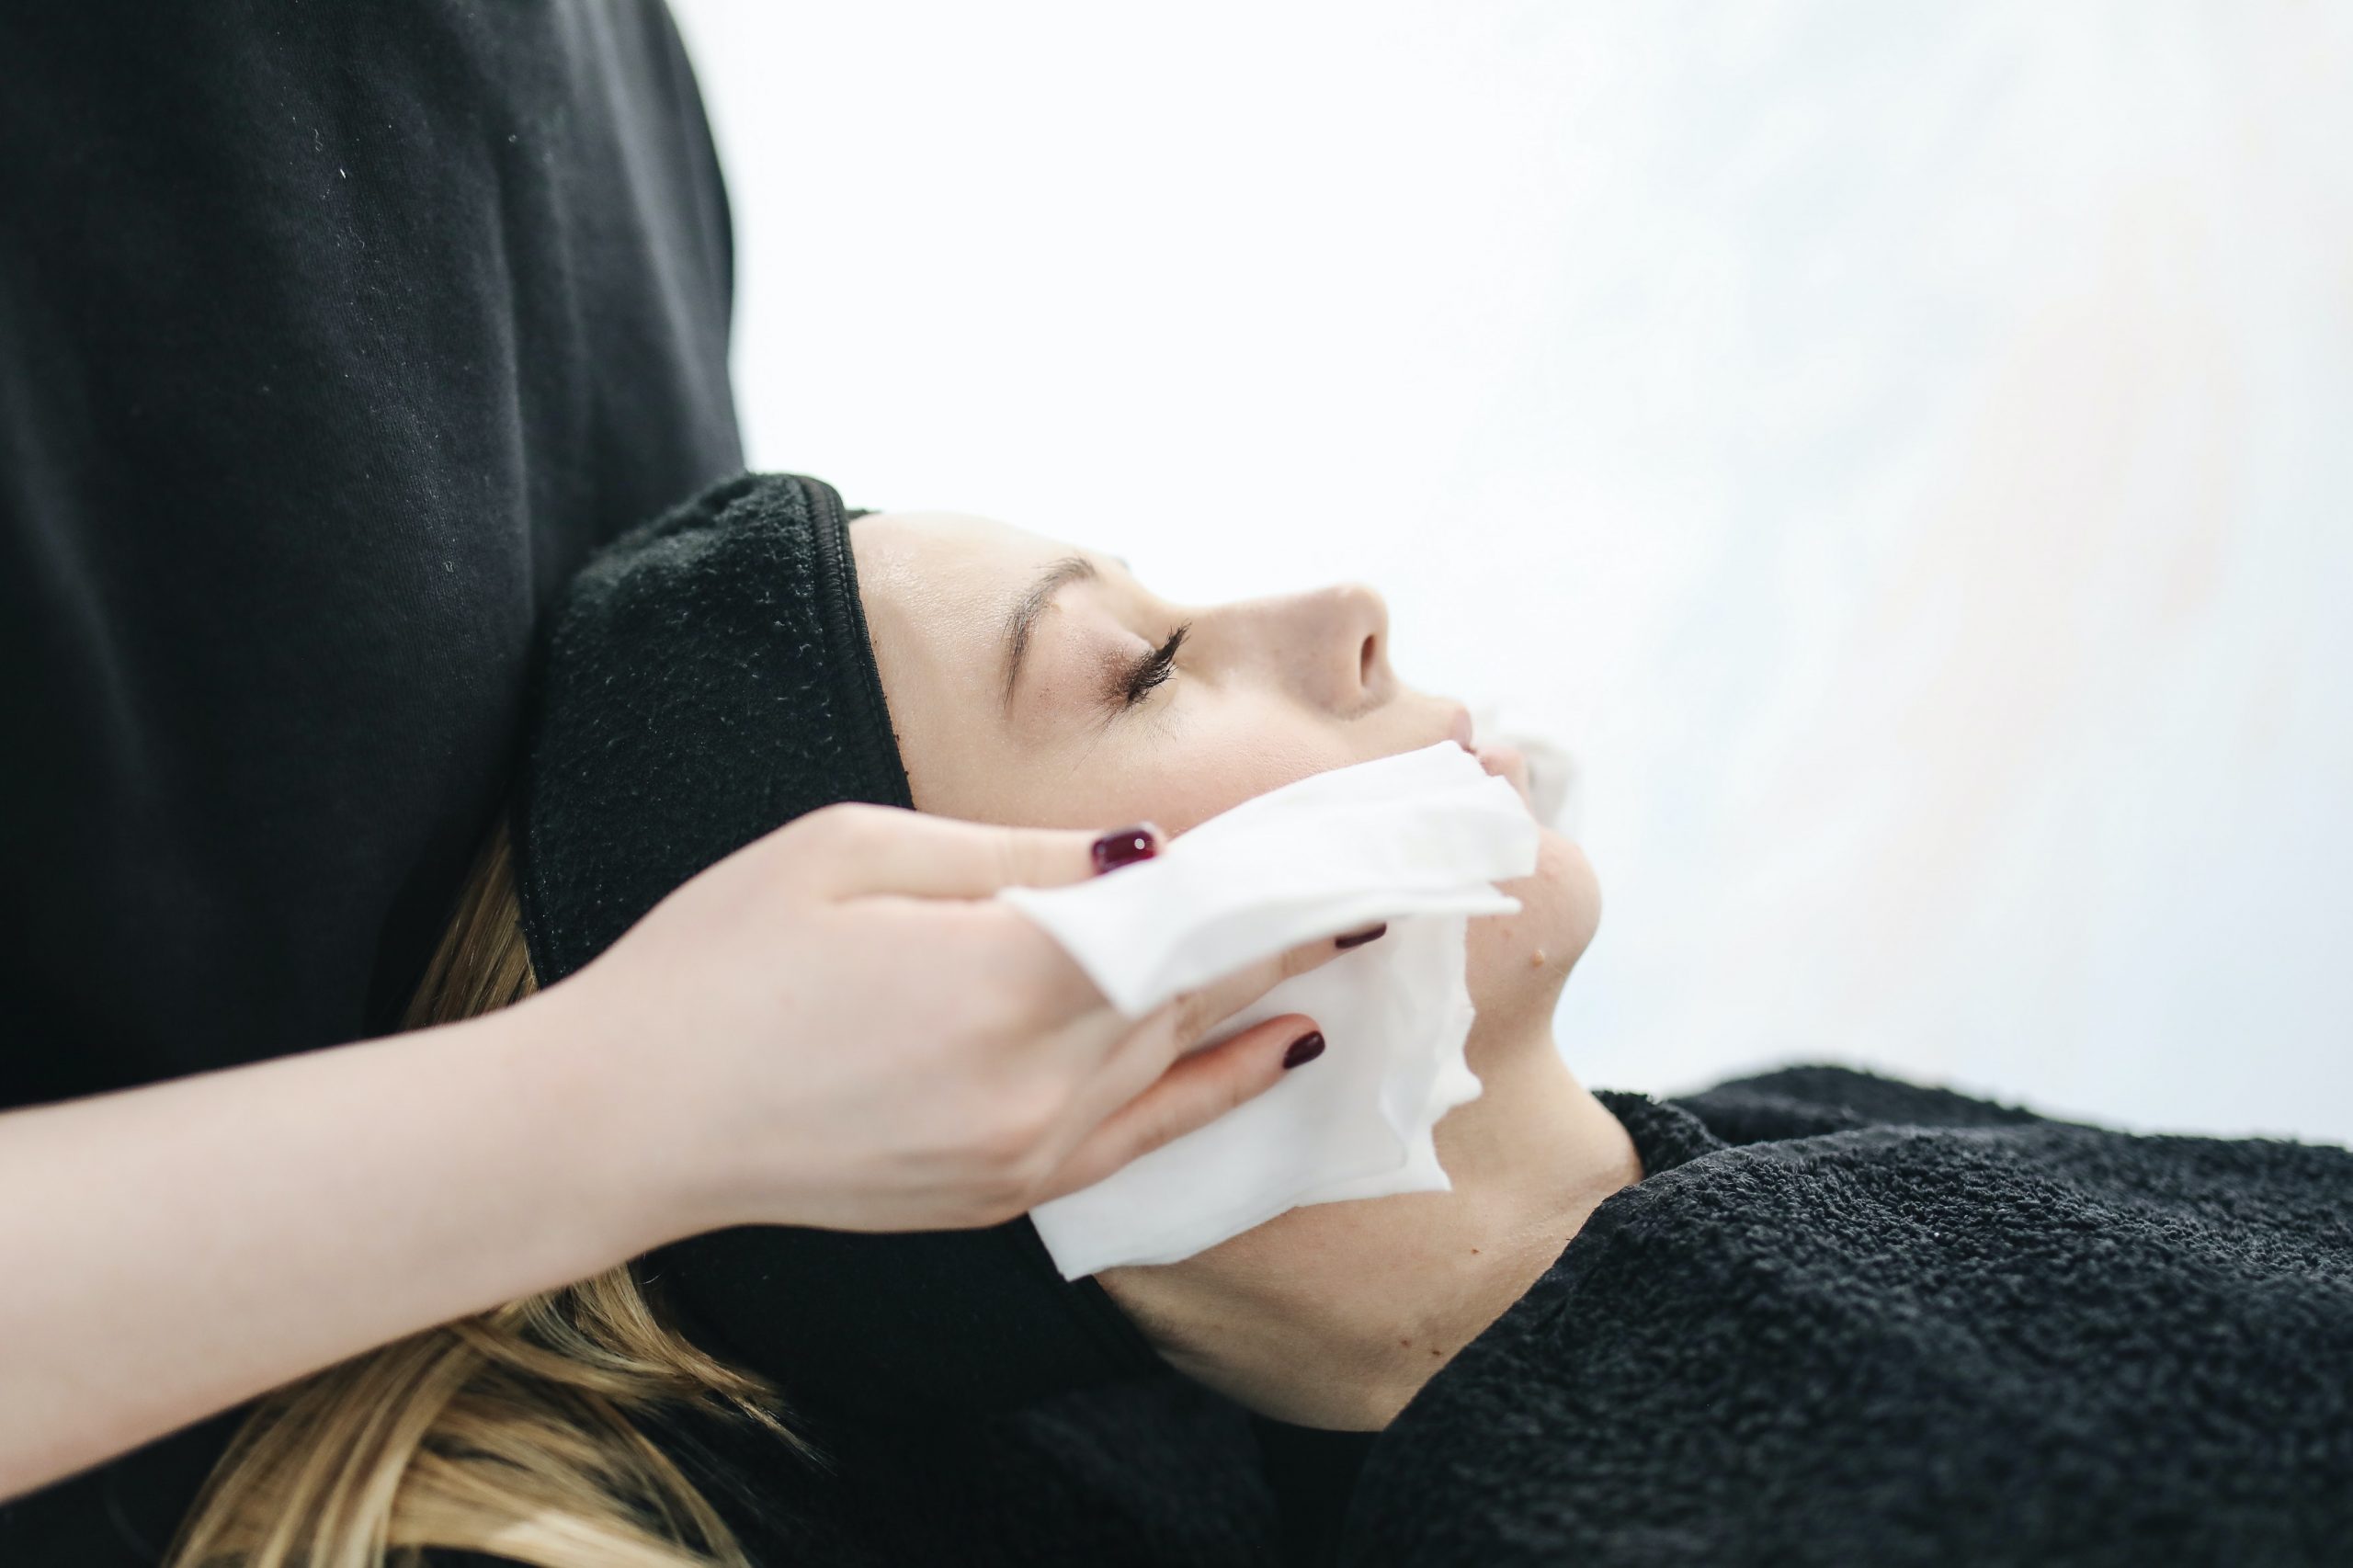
1023 619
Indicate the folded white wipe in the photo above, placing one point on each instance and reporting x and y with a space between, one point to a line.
1416 840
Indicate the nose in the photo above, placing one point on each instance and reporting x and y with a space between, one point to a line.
1328 649
1349 633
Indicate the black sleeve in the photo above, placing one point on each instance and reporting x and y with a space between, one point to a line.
332 337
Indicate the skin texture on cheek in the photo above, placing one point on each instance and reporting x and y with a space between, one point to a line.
1177 771
1200 776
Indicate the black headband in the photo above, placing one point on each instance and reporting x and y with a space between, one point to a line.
707 678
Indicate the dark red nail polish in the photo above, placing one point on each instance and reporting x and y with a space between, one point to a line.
1125 848
1359 939
1306 1048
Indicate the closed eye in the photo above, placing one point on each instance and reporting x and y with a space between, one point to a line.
1151 669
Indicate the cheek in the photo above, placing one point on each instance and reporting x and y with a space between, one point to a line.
1177 770
1189 790
1213 751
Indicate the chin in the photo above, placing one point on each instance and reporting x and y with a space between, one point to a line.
1519 962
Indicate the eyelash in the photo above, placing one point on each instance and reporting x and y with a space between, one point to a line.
1153 667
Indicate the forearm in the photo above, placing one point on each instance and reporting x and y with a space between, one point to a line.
174 1249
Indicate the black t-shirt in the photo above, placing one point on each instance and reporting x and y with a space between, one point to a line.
331 338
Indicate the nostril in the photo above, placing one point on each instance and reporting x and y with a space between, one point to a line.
1365 657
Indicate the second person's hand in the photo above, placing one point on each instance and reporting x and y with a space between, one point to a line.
839 1026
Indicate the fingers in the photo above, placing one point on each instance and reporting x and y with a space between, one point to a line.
854 851
1196 1015
1149 1047
1192 1094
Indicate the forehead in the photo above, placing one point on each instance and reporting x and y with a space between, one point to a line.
947 563
939 590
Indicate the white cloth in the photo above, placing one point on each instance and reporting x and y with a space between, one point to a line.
1416 840
1555 781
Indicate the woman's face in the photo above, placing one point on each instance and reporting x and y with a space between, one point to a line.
1037 685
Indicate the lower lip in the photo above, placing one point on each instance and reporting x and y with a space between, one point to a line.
1505 763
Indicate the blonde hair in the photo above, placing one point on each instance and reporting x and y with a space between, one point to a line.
515 1431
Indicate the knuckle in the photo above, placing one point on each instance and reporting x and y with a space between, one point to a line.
1015 1141
997 1196
1009 1189
989 1199
1029 1178
1012 943
1000 1019
1232 1094
840 829
1193 1016
1008 995
1165 1125
1007 860
1051 987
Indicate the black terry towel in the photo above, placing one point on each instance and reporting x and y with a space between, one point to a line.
1846 1319
1841 1320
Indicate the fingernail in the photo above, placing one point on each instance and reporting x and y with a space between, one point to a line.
1359 939
1125 848
1306 1049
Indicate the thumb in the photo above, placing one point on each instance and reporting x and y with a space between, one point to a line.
859 851
1193 1093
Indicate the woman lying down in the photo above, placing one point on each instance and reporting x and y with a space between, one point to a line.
1816 1316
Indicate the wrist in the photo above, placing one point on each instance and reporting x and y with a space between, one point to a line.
596 1134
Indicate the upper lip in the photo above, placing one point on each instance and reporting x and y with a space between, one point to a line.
1460 731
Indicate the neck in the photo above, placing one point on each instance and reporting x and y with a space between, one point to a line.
1336 1316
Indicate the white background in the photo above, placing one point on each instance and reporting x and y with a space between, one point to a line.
1904 450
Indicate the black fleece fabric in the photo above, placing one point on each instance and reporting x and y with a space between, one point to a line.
1859 1321
332 338
707 679
1841 1320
